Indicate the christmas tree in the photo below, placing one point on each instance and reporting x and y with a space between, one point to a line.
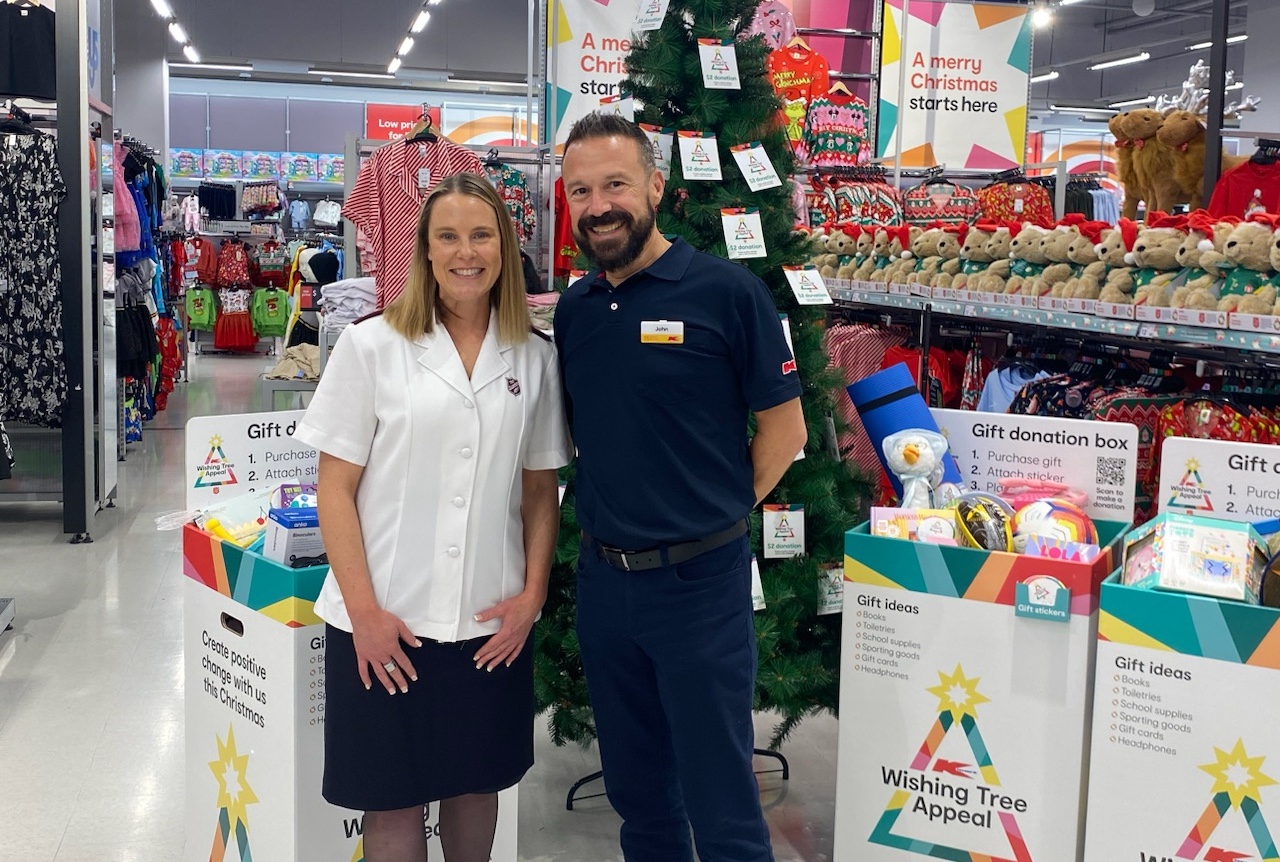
799 651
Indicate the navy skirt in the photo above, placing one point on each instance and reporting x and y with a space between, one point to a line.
458 730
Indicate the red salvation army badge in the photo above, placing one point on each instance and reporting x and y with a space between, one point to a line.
788 366
513 386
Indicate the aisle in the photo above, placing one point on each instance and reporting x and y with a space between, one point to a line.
91 683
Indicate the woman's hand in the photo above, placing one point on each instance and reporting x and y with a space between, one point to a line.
377 635
517 614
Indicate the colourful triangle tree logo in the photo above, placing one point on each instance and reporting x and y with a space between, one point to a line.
1237 786
958 699
1190 492
234 798
216 469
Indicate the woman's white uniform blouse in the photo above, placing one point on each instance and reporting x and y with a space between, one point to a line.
439 499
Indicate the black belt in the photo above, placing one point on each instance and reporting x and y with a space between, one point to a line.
666 555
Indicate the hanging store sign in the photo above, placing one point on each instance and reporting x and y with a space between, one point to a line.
392 122
587 45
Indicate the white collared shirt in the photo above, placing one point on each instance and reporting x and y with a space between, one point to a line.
439 500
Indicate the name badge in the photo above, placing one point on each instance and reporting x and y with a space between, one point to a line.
662 332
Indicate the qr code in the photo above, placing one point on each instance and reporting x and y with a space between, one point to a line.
1110 471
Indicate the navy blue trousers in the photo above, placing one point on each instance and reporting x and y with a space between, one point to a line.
670 657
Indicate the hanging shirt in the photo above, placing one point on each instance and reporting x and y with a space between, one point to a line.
299 213
513 188
1244 186
775 23
798 75
566 249
835 131
1025 202
940 201
27 52
388 196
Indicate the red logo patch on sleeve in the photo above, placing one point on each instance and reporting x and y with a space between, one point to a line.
788 366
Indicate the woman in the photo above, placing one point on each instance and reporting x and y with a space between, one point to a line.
440 428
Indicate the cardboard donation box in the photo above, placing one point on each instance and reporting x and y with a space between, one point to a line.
965 683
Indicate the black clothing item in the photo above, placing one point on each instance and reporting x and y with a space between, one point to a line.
27 53
218 200
324 266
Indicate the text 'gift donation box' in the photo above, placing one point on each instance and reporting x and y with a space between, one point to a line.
965 678
1186 752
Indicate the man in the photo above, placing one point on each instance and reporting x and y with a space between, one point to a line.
664 350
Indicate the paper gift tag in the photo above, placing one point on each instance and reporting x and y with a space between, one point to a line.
622 105
743 233
783 530
790 367
807 285
757 586
830 589
662 142
756 166
699 156
719 64
651 14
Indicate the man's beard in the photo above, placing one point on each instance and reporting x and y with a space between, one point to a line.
620 255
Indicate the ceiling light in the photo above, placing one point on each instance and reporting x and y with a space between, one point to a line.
1079 109
333 74
1068 2
434 2
405 47
1123 61
179 35
190 53
162 9
393 67
1204 46
1042 17
1129 103
217 67
420 23
1047 76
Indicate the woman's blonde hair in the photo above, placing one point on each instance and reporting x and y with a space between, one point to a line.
418 308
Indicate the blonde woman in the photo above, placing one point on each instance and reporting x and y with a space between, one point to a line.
440 427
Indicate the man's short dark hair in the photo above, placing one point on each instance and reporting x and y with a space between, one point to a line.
601 125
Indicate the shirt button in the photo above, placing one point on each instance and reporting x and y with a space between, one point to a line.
468 403
459 502
454 552
613 306
466 453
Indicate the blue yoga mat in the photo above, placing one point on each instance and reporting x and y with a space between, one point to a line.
889 401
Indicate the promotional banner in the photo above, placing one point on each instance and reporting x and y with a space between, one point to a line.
392 122
260 166
587 45
300 166
333 168
222 164
182 163
966 68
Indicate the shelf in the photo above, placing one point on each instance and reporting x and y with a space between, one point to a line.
838 31
1170 333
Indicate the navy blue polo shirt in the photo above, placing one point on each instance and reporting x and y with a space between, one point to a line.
661 427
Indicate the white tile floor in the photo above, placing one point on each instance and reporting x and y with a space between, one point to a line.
91 684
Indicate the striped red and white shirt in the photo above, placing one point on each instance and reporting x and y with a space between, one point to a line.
389 192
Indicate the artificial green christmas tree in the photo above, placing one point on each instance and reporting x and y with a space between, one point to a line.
799 651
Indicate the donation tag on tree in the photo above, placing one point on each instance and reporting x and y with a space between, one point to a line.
622 105
651 14
699 156
831 589
807 284
719 64
757 586
756 166
786 333
662 143
783 530
743 232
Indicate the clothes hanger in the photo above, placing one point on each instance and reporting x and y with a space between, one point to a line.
422 131
797 42
837 88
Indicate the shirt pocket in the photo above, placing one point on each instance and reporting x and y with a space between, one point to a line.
678 373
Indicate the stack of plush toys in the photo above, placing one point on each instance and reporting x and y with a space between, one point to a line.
1184 261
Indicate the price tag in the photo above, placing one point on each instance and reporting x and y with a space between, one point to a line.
1148 330
783 530
651 14
662 142
1099 458
806 283
743 233
622 105
719 64
699 156
1218 479
756 166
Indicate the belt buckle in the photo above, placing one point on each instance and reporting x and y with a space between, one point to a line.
619 553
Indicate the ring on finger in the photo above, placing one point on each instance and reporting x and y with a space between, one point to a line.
389 666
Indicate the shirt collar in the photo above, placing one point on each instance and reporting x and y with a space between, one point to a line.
670 266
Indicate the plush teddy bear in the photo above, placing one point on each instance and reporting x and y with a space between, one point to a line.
1114 251
925 251
1155 256
900 260
953 237
1247 287
1183 133
840 245
1133 194
1057 270
1152 160
1202 261
995 277
1027 254
816 242
973 255
878 256
1088 273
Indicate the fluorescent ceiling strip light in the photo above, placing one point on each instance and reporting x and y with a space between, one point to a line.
179 35
405 47
330 74
434 2
217 67
392 67
420 23
162 9
1073 109
191 53
1123 61
1129 103
1231 40
1069 2
480 83
1047 76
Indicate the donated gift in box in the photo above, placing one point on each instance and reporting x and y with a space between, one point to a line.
292 534
1192 554
924 525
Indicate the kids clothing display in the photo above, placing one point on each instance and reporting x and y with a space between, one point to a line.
774 22
836 131
799 75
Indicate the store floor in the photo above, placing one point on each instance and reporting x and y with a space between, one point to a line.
91 684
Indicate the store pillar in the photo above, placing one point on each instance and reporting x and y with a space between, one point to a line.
1262 66
142 75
